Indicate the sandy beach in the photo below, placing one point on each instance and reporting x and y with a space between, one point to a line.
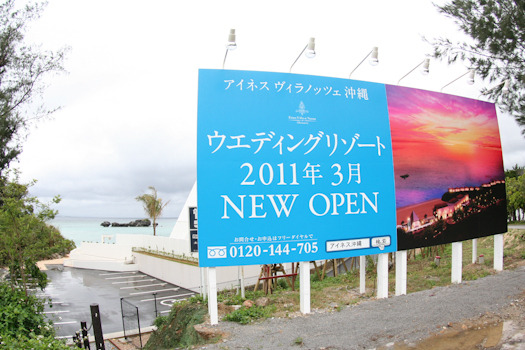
420 209
42 264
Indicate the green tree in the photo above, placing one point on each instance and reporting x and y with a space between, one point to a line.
153 206
516 171
22 72
496 51
515 187
25 236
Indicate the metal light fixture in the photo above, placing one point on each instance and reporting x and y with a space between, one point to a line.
426 67
471 74
309 51
374 56
504 90
506 86
374 59
230 45
424 70
310 48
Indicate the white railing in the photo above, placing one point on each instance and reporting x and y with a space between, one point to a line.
158 244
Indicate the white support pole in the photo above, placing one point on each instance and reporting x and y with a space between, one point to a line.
238 288
204 293
382 276
243 294
362 274
457 262
401 272
474 250
212 297
498 252
304 286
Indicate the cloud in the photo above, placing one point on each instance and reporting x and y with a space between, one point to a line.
130 98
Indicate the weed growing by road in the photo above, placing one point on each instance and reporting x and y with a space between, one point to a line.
246 315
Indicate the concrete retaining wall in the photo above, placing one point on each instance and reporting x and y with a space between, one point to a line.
189 276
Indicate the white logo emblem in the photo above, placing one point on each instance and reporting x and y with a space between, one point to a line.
302 119
216 252
302 110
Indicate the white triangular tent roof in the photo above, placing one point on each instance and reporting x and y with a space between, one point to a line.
182 226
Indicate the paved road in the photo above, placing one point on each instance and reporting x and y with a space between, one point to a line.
521 227
72 291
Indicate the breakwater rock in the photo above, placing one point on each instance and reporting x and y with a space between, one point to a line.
136 223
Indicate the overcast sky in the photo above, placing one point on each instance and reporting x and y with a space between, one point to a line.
129 99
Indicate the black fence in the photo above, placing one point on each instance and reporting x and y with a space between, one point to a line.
130 318
81 338
130 321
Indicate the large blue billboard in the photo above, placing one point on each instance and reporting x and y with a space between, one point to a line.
292 168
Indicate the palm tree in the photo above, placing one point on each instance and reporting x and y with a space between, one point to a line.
153 206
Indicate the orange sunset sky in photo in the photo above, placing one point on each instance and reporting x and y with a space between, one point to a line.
441 141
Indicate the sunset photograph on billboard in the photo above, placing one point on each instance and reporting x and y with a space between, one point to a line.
448 168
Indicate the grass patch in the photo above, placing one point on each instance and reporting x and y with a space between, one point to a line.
298 341
246 315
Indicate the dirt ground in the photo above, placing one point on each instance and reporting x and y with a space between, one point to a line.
505 331
131 343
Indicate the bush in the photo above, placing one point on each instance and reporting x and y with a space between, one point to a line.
160 321
177 329
22 324
34 342
21 314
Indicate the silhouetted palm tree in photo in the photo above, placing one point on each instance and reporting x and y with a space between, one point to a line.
153 206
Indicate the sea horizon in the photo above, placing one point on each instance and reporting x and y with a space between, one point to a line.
113 217
88 228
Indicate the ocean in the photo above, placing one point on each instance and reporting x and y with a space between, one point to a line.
82 229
